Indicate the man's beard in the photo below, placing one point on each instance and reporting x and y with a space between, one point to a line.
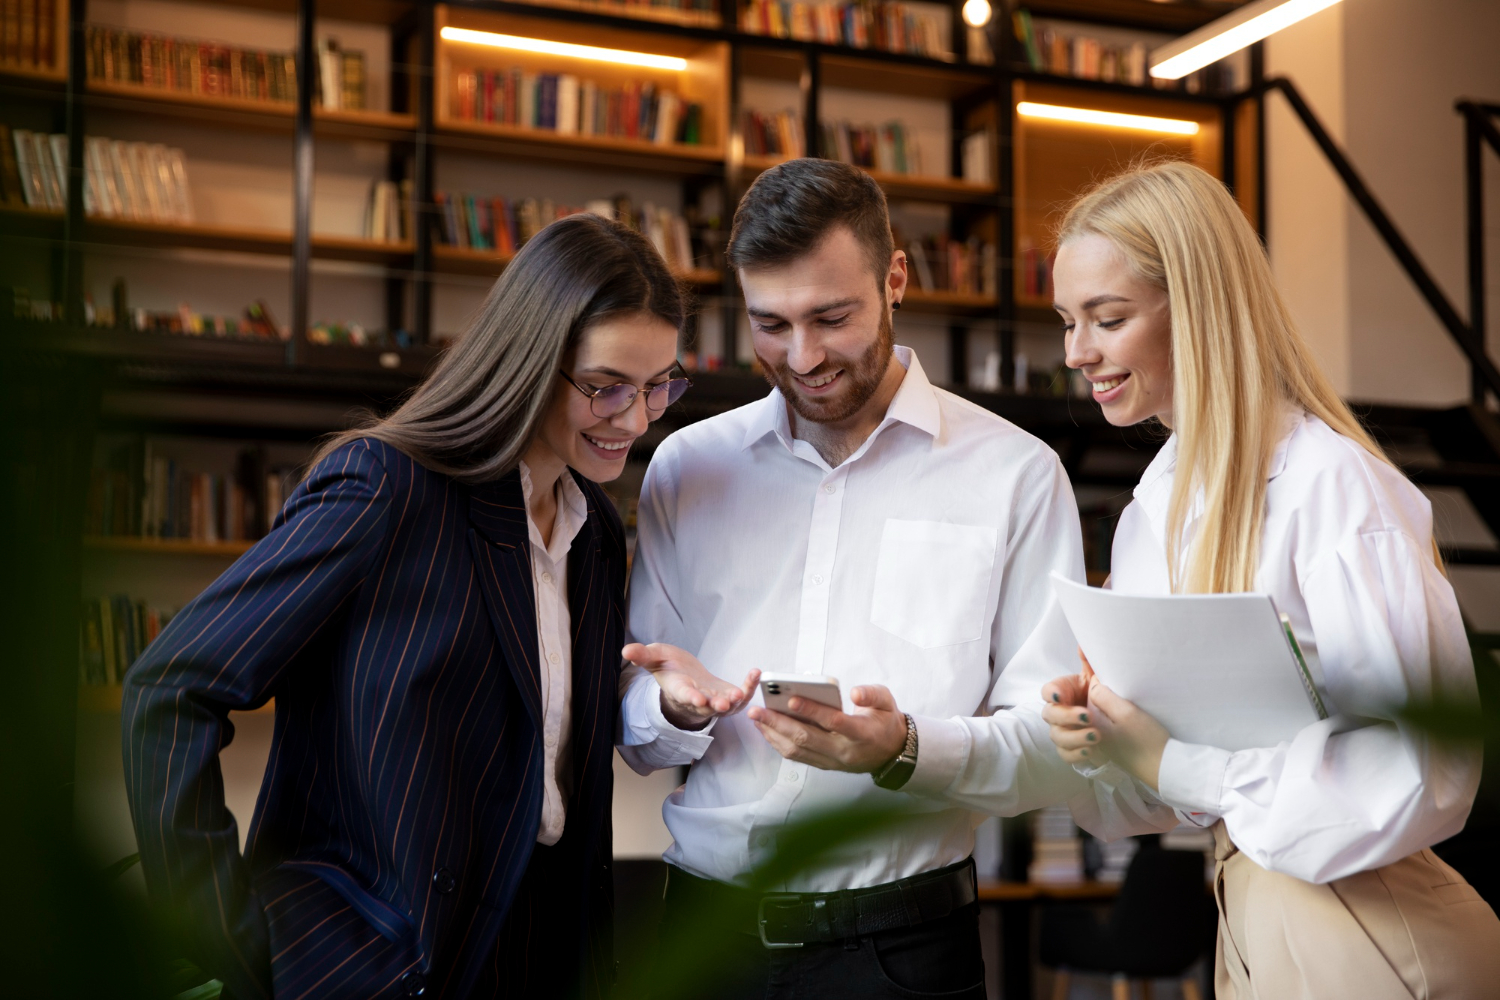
863 376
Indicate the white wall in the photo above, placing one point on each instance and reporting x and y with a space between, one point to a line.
1383 76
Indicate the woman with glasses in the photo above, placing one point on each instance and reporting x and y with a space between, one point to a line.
438 614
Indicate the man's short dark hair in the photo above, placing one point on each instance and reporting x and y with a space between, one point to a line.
794 205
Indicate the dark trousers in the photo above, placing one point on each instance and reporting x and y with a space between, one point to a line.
538 952
699 957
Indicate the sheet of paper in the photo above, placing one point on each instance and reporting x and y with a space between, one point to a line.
1214 669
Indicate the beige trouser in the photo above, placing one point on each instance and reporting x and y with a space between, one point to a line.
1413 929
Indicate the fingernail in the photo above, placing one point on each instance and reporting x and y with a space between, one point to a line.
1083 717
1093 737
1084 751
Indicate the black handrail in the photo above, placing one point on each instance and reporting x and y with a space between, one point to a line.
1478 129
1469 340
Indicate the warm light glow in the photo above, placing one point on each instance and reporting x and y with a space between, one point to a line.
1111 119
977 13
550 48
1230 33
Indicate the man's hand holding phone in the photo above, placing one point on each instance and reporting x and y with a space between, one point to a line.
810 732
691 696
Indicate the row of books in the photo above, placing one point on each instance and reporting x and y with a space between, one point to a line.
779 134
162 62
1049 50
941 264
568 105
28 34
1035 267
122 180
138 491
888 148
113 632
388 217
504 225
890 27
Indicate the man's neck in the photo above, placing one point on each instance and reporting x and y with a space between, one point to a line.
835 442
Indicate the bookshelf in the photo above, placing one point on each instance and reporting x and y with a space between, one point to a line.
280 185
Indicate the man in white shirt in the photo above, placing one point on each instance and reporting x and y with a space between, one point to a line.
862 524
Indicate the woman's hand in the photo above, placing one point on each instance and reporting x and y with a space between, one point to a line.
1090 723
690 695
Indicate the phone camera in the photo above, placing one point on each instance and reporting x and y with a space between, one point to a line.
773 688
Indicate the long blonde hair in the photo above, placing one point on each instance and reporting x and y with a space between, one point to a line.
1237 358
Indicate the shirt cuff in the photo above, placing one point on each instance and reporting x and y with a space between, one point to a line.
1109 773
942 751
645 723
1191 777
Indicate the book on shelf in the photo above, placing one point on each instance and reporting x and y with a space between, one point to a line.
889 148
890 27
780 134
1035 265
706 11
1051 50
388 217
570 105
976 153
209 69
475 222
113 632
139 490
28 30
943 264
122 180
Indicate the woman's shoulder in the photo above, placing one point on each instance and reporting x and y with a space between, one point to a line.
1329 474
382 466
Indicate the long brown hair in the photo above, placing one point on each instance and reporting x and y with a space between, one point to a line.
473 417
1238 361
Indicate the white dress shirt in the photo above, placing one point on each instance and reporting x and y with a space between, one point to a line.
1346 553
549 577
920 563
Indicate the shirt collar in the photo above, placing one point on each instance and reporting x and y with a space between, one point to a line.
1166 459
915 403
572 512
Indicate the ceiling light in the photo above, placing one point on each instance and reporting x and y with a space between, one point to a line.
1112 119
1230 33
568 49
977 13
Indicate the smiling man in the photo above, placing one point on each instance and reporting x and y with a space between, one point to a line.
859 523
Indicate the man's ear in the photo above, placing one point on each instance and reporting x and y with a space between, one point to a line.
897 277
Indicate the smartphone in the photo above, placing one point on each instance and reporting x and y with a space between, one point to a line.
778 689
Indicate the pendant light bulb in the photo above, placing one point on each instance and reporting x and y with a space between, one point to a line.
977 13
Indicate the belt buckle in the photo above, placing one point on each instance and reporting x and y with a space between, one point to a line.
760 919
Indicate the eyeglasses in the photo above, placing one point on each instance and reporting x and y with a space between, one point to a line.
613 400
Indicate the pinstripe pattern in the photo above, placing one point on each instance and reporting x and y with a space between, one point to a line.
390 613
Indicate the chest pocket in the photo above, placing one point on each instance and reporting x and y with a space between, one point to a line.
931 581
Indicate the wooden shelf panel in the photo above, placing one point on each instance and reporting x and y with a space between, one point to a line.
631 12
865 69
166 546
915 187
466 260
105 699
1180 17
918 300
1004 892
275 115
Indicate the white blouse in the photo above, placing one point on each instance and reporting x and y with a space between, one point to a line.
1346 553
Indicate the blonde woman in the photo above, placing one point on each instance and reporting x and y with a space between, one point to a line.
1325 884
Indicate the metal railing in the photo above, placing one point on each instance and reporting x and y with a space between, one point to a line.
1479 129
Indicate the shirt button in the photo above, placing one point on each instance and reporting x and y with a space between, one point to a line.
791 777
553 657
413 984
764 840
443 881
552 739
546 577
830 488
817 579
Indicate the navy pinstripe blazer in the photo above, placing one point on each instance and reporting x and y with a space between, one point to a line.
390 612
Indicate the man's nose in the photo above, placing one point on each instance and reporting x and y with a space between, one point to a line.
805 352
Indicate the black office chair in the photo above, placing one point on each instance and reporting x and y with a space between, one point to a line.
1163 921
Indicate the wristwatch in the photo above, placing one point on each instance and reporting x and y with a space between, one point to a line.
898 772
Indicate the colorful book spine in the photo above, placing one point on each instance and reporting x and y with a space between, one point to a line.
570 105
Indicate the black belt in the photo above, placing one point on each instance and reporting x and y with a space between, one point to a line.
792 919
